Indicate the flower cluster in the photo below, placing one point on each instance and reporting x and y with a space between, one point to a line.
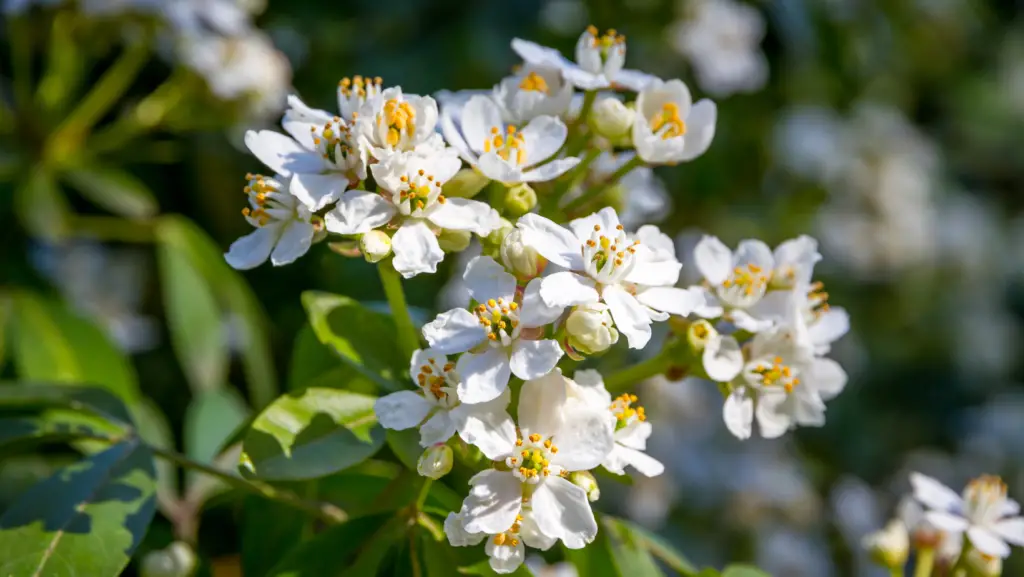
394 175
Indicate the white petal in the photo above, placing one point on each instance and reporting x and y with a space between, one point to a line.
700 129
533 536
253 249
798 256
722 358
535 312
451 133
506 558
738 414
772 420
634 435
416 249
296 238
671 300
655 273
486 279
457 534
629 315
745 321
465 214
401 410
281 153
583 227
550 171
565 289
423 357
1011 530
829 327
479 116
1010 508
484 376
934 494
438 429
541 403
634 80
552 241
756 252
827 377
359 211
713 259
708 305
543 136
644 464
455 331
561 509
585 437
538 55
988 542
494 168
534 359
946 521
493 502
316 191
488 427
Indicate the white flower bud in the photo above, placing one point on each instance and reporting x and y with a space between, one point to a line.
590 329
454 240
435 462
586 481
519 258
890 546
981 565
612 119
375 245
177 560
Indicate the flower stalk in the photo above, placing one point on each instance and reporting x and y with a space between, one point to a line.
408 339
596 190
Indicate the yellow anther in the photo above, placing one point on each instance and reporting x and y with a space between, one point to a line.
513 306
667 122
597 228
534 438
491 303
499 539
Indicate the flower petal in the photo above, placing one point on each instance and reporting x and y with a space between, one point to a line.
535 312
633 80
934 494
281 153
455 331
629 315
645 464
585 437
484 375
296 238
827 377
493 502
738 414
672 300
772 418
493 167
722 358
796 258
479 116
985 540
487 426
583 227
486 279
401 410
451 133
660 273
438 429
552 241
550 171
253 249
634 435
359 211
538 55
700 129
541 403
416 249
456 532
532 535
1011 530
713 259
505 558
534 359
465 214
543 136
566 289
828 328
561 510
316 191
755 252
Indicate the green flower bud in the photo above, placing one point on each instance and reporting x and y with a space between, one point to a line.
890 546
177 560
454 240
375 245
590 329
519 200
981 565
435 462
493 240
586 481
613 120
519 258
466 183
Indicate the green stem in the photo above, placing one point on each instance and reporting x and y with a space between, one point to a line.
424 492
923 564
588 102
596 190
961 561
408 339
621 381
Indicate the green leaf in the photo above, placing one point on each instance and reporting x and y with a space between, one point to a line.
198 332
52 344
84 520
743 571
99 402
156 431
41 206
18 433
595 560
364 339
313 364
406 446
375 549
628 554
658 547
269 530
115 190
311 434
375 486
330 552
210 419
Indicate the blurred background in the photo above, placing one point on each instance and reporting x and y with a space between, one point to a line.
891 130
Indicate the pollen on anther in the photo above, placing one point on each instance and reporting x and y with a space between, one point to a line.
597 228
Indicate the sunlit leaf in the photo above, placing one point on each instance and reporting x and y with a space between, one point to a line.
629 555
99 402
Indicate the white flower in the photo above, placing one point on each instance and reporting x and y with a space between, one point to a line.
923 534
604 264
722 41
285 226
590 329
493 331
354 92
738 280
409 191
889 546
436 408
531 92
599 61
559 434
392 122
668 127
506 549
984 513
502 152
631 427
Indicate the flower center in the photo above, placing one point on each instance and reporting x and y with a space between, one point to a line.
627 411
266 202
533 461
534 82
511 536
510 146
399 117
434 378
746 280
667 123
418 191
609 258
984 498
776 374
332 141
817 299
610 39
357 90
500 319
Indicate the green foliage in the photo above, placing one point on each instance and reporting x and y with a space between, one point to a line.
330 553
210 419
113 189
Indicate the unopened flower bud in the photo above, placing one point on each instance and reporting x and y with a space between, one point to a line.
890 546
492 242
590 329
520 258
454 240
699 333
981 565
519 200
177 560
586 481
346 248
612 119
466 183
435 462
375 245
